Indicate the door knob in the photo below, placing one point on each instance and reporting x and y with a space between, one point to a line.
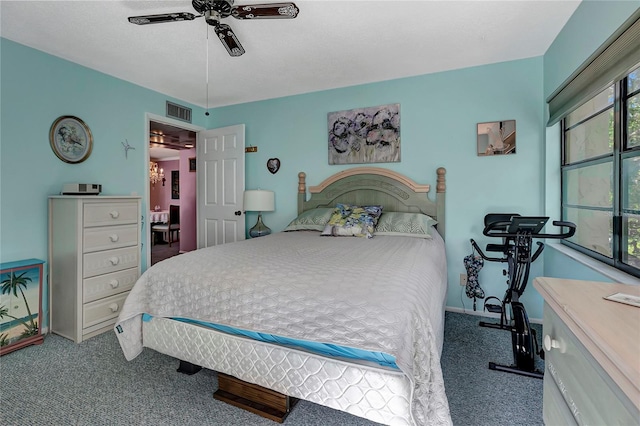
238 213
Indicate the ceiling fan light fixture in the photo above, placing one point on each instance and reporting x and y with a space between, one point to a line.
212 18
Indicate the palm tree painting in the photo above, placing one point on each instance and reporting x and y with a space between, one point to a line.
20 322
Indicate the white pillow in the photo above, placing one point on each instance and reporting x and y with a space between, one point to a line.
415 225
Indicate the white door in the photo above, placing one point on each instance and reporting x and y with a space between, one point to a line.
220 165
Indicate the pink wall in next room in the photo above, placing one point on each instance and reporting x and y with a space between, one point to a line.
161 195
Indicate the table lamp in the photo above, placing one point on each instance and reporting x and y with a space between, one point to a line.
259 200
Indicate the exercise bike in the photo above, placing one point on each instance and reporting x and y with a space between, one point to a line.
517 233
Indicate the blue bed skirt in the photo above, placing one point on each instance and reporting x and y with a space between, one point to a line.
325 349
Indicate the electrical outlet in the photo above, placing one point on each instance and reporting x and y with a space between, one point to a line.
463 279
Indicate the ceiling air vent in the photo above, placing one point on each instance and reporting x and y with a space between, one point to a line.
178 111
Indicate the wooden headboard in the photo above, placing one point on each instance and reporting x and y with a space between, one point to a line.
376 186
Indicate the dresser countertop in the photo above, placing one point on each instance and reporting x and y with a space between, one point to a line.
609 330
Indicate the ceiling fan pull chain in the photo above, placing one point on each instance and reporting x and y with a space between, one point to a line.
207 71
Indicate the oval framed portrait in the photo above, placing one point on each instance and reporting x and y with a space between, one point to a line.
70 139
273 164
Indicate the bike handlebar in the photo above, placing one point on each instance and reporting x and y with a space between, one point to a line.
538 252
491 230
505 259
484 256
500 229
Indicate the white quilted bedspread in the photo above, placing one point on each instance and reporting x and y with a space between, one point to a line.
383 294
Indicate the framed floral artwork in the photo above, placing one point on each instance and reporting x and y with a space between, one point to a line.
70 139
365 135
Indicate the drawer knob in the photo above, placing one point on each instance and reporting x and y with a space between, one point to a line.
114 214
114 261
114 237
114 283
550 343
114 307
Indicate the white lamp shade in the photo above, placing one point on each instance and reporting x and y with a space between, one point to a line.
259 200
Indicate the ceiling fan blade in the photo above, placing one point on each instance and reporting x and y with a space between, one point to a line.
229 40
163 17
265 11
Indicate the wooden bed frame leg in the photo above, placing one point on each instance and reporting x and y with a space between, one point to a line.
188 368
256 399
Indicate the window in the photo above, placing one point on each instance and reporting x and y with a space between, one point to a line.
601 174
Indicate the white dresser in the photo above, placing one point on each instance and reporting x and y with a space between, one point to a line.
94 260
592 354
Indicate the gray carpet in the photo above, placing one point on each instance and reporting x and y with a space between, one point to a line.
61 383
477 395
161 251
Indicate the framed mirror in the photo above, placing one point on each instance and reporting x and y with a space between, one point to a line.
497 138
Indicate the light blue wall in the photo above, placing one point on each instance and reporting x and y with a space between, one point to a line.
590 26
38 88
439 113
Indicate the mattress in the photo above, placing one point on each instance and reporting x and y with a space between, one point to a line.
384 294
378 394
325 349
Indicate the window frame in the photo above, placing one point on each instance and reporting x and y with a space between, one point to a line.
620 152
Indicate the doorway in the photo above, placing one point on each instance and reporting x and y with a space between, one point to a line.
172 182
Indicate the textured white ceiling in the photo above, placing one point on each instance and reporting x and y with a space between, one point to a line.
330 44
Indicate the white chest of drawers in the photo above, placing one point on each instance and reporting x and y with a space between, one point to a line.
592 354
94 260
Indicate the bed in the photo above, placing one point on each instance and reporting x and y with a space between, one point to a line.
382 296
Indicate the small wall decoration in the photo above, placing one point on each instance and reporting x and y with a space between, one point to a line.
273 164
127 147
192 164
70 139
365 135
175 184
497 138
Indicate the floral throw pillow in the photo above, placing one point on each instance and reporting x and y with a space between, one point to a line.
356 221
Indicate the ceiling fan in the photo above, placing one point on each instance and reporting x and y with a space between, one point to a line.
216 10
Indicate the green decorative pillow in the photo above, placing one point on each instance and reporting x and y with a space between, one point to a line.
356 221
415 225
311 220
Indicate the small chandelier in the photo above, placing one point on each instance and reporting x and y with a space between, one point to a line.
155 174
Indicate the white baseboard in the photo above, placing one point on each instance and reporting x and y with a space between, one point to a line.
484 314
